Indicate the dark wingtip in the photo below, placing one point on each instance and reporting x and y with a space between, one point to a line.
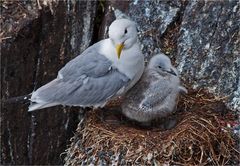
18 99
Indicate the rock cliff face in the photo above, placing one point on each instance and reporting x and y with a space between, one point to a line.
153 19
39 37
36 41
208 48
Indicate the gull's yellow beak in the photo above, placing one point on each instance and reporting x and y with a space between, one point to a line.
119 48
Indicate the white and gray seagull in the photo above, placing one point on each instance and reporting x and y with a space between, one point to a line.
104 70
155 95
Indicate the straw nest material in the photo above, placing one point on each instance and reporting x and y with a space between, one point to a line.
199 138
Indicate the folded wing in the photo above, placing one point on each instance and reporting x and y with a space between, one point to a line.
87 80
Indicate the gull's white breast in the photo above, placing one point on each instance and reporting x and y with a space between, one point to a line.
131 62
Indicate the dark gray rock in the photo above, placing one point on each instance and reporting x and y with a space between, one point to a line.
42 38
209 48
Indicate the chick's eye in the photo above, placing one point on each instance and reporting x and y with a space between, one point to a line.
125 31
159 67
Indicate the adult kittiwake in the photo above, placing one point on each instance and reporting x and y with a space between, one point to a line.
103 71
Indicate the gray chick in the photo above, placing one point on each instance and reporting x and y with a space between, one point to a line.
156 93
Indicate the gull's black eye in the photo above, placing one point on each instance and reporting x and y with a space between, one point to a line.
159 67
125 31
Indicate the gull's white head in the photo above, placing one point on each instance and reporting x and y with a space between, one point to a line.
162 64
123 34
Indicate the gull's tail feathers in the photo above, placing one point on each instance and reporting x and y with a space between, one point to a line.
38 106
43 97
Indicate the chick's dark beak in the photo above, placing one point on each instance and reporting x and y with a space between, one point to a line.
171 71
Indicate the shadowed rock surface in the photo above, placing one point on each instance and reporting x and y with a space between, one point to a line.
37 40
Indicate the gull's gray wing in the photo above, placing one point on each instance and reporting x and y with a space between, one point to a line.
90 63
87 80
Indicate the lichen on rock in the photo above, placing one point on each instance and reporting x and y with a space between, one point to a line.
153 18
208 48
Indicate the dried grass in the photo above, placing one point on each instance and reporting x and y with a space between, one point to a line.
198 139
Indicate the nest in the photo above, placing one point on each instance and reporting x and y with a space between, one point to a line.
199 138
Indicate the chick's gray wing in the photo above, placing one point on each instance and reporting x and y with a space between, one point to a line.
156 93
87 80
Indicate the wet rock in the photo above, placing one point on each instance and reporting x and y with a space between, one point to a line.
208 48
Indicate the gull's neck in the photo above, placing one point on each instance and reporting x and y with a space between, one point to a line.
131 62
